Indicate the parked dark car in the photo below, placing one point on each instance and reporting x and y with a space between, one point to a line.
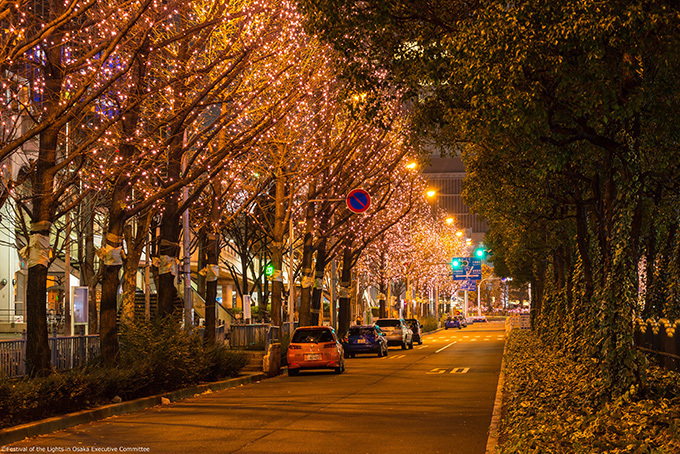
452 323
416 327
396 331
365 339
463 321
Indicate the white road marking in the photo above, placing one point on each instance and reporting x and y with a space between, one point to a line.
445 347
394 356
460 370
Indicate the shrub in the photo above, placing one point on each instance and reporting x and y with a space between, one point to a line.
429 324
553 403
156 357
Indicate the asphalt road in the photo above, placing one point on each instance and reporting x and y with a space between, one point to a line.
436 398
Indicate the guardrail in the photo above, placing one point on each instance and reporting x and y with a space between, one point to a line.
659 338
521 321
67 352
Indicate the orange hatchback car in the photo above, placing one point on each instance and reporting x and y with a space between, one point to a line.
315 347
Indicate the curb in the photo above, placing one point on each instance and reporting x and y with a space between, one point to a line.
492 441
45 426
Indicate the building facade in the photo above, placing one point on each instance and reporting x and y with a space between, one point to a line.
445 176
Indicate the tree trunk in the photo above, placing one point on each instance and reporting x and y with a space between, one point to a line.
583 242
168 251
344 309
136 246
317 294
277 250
212 255
38 362
307 281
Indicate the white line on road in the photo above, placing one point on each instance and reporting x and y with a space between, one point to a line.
445 347
393 356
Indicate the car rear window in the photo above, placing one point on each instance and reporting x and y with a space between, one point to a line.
361 331
388 323
412 323
309 336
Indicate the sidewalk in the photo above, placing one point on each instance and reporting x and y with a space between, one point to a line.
32 429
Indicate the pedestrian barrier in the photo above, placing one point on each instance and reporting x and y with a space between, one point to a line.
254 336
659 338
520 321
67 352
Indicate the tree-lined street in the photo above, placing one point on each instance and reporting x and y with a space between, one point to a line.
437 397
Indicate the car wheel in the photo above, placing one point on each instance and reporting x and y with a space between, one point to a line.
403 345
410 345
293 372
346 355
351 355
340 369
460 327
420 342
446 327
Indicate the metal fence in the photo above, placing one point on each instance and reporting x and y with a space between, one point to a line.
659 339
521 321
67 352
251 336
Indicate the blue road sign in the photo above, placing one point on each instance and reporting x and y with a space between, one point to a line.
469 285
358 201
469 269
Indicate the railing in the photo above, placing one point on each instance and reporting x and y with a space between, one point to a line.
12 354
220 333
67 352
12 315
659 339
251 336
521 321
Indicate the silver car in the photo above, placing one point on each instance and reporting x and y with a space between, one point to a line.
396 331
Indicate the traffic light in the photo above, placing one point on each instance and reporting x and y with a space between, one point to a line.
480 253
458 263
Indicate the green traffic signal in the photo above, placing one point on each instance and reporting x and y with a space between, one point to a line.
480 253
456 263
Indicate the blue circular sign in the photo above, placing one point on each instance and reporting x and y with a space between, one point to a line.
358 201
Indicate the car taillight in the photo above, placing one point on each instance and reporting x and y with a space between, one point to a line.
294 347
331 345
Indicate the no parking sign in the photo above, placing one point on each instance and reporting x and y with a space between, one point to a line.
358 201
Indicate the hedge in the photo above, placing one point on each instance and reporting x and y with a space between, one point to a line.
556 404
